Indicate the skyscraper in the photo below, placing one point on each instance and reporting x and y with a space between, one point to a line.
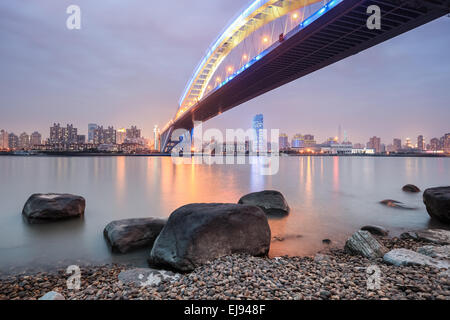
133 133
24 141
397 144
91 128
4 144
258 127
420 143
121 135
156 137
36 139
374 143
283 141
13 141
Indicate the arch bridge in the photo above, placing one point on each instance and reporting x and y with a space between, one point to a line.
273 42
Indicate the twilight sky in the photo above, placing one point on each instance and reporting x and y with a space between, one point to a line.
131 60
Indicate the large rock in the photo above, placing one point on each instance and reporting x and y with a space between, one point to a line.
411 188
438 252
146 277
130 234
405 257
197 233
272 202
437 201
364 244
376 230
41 208
437 236
52 295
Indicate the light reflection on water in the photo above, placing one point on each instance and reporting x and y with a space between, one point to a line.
330 197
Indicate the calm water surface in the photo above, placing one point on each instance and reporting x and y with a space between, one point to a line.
330 197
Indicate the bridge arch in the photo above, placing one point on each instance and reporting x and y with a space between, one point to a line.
256 16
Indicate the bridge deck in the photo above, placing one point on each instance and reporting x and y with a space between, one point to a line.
339 33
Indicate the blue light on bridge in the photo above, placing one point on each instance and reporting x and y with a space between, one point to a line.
304 24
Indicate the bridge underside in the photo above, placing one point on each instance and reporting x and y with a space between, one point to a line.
339 33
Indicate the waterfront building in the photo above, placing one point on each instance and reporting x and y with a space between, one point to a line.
4 144
24 141
104 136
308 140
156 138
91 129
298 141
363 151
283 141
421 143
447 143
35 139
133 133
374 143
121 135
56 134
13 141
397 145
435 144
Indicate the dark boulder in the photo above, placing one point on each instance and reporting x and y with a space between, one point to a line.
376 230
272 202
437 201
411 188
197 233
42 208
130 234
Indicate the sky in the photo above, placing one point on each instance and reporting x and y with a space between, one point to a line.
131 60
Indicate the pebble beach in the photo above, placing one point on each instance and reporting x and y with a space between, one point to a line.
333 274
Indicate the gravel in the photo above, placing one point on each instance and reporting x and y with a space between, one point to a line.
338 276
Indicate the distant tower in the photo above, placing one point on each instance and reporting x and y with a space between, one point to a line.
258 126
339 134
91 129
156 138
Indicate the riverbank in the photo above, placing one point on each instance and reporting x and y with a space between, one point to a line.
333 274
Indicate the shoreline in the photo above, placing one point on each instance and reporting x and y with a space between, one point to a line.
332 274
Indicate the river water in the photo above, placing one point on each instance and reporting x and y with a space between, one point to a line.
330 197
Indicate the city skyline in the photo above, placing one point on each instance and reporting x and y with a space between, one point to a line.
110 72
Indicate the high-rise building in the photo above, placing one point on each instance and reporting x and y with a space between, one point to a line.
4 144
435 144
374 143
91 128
121 135
104 136
24 141
397 144
283 141
421 143
70 134
35 139
13 141
133 133
156 138
258 127
56 134
447 143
